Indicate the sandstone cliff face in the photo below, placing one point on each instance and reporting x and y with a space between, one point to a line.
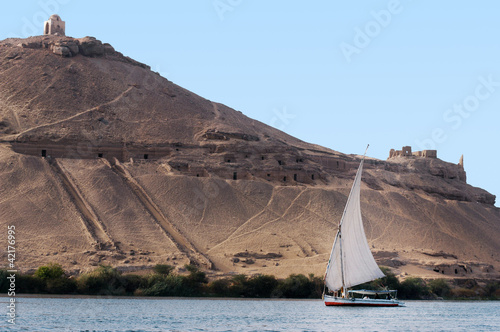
104 161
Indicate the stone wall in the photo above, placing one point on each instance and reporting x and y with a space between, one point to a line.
426 153
406 152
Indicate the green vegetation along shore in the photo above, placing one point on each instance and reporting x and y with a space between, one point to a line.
106 280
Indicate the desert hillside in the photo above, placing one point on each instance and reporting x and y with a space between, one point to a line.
103 161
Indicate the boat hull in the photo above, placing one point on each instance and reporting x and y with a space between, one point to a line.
352 302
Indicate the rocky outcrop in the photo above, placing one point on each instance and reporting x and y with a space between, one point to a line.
434 167
70 47
89 46
432 176
66 47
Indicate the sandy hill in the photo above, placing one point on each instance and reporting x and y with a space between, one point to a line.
103 161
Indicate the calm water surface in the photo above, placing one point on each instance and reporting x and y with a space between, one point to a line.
112 314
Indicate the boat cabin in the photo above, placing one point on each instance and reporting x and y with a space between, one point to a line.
367 294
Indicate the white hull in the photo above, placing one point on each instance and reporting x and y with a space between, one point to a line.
339 301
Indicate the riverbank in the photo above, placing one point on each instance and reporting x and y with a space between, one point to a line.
51 280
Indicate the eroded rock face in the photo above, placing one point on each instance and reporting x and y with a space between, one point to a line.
433 166
60 45
61 50
89 46
70 47
432 176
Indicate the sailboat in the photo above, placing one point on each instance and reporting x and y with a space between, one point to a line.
351 262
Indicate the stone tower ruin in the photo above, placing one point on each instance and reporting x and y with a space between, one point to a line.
54 26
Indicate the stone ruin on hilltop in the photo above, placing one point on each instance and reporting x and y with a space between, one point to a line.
406 152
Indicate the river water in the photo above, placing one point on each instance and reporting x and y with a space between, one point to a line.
139 314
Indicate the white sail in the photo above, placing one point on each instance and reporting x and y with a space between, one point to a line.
333 277
351 261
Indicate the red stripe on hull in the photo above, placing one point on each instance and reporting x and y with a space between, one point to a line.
358 304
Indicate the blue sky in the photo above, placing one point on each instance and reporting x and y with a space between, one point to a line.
337 73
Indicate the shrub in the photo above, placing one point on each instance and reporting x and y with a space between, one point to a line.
175 285
492 290
238 285
439 287
170 285
30 284
49 271
52 276
105 280
317 286
466 283
413 289
261 286
461 292
194 282
296 286
61 285
132 282
220 287
390 280
163 269
153 279
195 275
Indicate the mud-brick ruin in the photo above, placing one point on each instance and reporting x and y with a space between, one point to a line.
406 152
